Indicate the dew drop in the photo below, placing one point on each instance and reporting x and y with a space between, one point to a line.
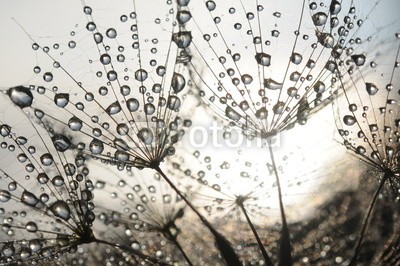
359 59
232 114
178 82
111 33
31 227
247 79
96 146
371 88
61 99
319 18
272 84
141 75
145 135
173 103
4 196
20 96
29 198
61 209
113 108
48 76
132 104
61 142
182 39
349 120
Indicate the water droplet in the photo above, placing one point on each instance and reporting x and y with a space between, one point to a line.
272 84
46 159
61 142
326 39
178 82
145 135
113 108
20 96
349 120
359 59
149 109
4 196
61 99
61 209
371 88
141 75
47 76
31 227
210 5
319 18
183 16
42 178
111 33
96 146
173 103
5 130
182 39
232 114
262 113
132 104
247 79
319 87
296 58
29 198
58 181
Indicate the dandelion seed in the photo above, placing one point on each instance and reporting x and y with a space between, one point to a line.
370 129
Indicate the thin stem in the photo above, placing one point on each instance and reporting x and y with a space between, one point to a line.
178 245
366 220
260 244
285 247
222 243
135 252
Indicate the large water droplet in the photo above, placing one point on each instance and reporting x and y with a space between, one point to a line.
319 87
5 130
61 209
182 39
75 123
210 5
319 18
20 96
247 79
61 99
145 135
335 7
46 159
96 146
141 75
263 59
113 108
262 113
358 59
272 84
111 33
31 227
29 198
178 82
132 104
183 16
296 58
349 120
371 88
232 114
61 142
4 196
174 102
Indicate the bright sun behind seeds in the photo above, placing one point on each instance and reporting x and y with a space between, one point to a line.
183 132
